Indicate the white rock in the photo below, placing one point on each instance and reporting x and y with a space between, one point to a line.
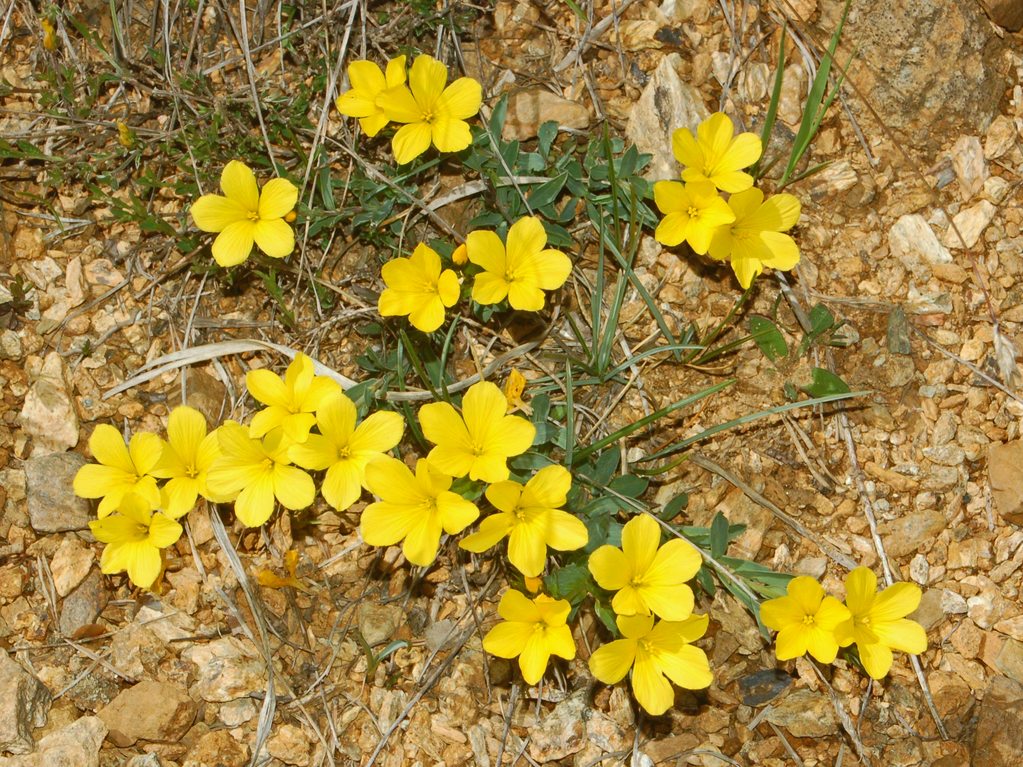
76 745
912 241
1001 135
971 223
24 705
70 564
969 165
953 603
665 105
228 668
920 569
996 189
48 414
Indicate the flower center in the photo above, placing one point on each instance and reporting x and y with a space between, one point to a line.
808 620
140 532
191 471
254 215
692 211
344 452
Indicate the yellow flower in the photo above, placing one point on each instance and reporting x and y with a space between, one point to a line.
520 273
291 402
254 472
187 456
805 620
244 215
344 449
134 537
480 441
460 255
878 624
654 652
648 579
121 469
532 519
533 630
368 82
715 156
693 212
415 509
430 110
417 287
755 240
49 35
514 387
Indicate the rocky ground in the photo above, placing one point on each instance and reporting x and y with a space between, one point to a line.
911 235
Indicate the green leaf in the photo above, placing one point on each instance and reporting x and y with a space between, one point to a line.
545 137
825 383
768 338
605 467
572 582
718 536
629 485
606 616
674 507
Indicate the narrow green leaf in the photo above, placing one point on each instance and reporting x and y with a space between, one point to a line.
718 536
768 338
825 383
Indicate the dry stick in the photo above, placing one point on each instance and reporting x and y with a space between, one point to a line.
785 743
828 548
590 35
512 700
845 719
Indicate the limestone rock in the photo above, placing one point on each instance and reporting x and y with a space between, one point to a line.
70 564
969 165
1003 467
53 506
217 749
913 242
228 668
378 623
76 745
1005 13
530 108
136 650
970 223
291 745
48 414
562 732
933 68
150 710
665 105
998 739
24 705
83 605
904 535
805 714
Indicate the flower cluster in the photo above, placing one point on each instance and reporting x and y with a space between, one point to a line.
809 621
746 230
430 111
519 270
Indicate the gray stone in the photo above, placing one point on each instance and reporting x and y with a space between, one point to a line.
913 242
53 506
530 108
805 714
228 668
1005 13
83 605
665 105
24 705
970 223
48 415
1003 467
969 165
903 536
998 739
150 710
562 732
76 745
932 68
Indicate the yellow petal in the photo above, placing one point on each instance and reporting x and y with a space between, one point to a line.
560 641
142 562
548 487
116 529
821 644
778 213
267 387
384 523
234 244
485 249
274 237
565 532
636 626
293 487
342 484
366 76
423 540
860 590
676 561
238 183
807 594
428 315
461 100
671 197
641 536
107 447
450 135
688 630
373 124
400 105
715 135
527 549
380 432
255 503
411 141
831 613
876 659
687 667
746 269
629 602
783 253
213 213
359 103
534 658
456 513
686 150
526 238
145 451
673 229
448 288
611 662
610 568
395 74
163 531
277 199
489 288
180 494
525 297
491 531
96 480
903 634
896 601
427 78
653 692
186 429
507 640
671 603
791 641
391 480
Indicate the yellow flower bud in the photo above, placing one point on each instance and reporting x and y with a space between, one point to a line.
461 255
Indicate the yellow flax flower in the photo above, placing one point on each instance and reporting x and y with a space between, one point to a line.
430 111
531 518
244 216
755 240
134 537
532 630
417 287
291 402
514 388
413 509
648 579
344 449
878 624
520 272
121 469
368 82
693 213
654 651
187 456
480 441
805 620
255 472
715 154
